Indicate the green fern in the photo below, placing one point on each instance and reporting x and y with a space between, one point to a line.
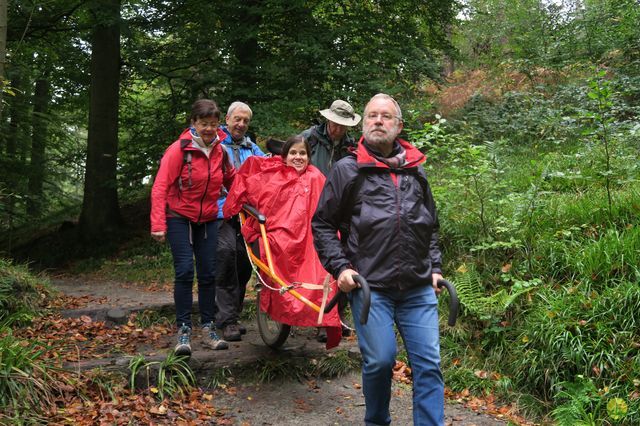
471 294
579 400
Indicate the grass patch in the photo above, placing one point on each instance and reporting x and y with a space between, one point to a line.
28 386
336 364
22 294
168 378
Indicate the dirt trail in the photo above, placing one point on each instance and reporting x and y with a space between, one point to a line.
337 401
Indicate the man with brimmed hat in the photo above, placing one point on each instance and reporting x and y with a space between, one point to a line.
329 141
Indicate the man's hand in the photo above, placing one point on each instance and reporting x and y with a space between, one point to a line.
158 235
346 282
435 278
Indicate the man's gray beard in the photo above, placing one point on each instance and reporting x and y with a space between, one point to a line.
379 140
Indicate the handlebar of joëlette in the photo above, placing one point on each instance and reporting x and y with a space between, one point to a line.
454 304
255 213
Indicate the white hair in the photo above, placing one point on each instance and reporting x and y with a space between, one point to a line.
387 97
237 104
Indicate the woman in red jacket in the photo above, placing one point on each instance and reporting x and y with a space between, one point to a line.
184 209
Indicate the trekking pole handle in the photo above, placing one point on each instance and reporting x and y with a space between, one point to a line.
454 303
366 298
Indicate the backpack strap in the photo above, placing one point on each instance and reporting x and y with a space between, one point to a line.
313 141
187 156
226 162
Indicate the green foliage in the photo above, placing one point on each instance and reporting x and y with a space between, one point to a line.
270 369
336 364
582 333
149 318
219 377
580 402
22 294
601 120
532 34
27 386
173 375
471 292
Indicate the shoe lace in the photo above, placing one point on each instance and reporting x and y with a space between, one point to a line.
184 337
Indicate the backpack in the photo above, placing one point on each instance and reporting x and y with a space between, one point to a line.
187 156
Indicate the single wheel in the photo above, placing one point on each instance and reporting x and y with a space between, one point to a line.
273 333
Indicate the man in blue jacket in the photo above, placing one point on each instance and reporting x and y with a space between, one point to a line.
233 266
380 201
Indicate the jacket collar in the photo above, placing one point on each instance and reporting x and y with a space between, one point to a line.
365 159
186 135
228 140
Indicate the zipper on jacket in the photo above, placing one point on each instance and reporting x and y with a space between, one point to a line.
204 194
398 190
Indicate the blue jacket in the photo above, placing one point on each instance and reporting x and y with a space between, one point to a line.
238 153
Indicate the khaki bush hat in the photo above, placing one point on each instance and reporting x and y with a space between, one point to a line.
342 113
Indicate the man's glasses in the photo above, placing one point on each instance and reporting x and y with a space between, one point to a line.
383 116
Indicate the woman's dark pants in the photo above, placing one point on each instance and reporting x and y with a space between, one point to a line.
204 237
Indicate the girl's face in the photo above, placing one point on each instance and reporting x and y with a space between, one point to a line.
298 157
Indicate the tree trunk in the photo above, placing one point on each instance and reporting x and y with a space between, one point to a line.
100 211
448 66
16 115
39 137
16 135
3 47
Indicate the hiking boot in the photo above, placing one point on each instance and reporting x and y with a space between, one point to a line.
322 335
346 331
242 328
183 348
211 340
231 333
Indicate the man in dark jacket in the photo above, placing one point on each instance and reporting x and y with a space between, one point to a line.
382 205
329 141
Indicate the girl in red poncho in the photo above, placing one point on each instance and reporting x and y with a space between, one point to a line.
286 190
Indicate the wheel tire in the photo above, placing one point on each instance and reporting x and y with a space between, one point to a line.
273 333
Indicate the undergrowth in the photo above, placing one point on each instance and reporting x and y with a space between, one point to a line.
538 196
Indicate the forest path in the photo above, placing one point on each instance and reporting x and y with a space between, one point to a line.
315 401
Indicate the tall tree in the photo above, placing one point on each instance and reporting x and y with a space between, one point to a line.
3 47
39 138
100 210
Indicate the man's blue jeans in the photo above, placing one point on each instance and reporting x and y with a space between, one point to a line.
205 243
415 314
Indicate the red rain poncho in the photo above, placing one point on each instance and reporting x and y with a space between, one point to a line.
288 200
